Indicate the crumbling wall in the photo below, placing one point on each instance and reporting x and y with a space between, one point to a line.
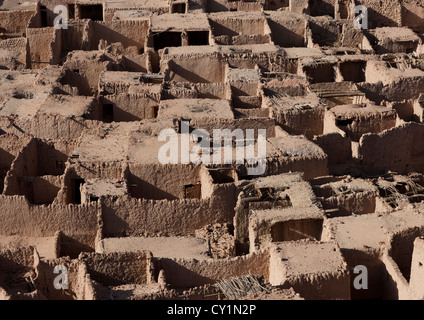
357 203
72 38
79 223
40 40
10 146
18 51
25 165
405 154
38 165
47 126
396 286
326 32
311 166
16 265
161 182
413 15
308 121
416 279
288 32
115 269
56 47
385 13
402 247
185 273
337 147
89 66
132 107
398 90
16 21
191 69
46 276
132 217
129 33
228 5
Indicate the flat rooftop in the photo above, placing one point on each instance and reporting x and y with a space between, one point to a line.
161 247
309 257
196 109
16 5
180 22
396 34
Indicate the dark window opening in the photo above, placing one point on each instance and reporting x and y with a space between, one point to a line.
77 190
198 38
93 12
108 113
193 191
167 39
44 20
178 8
320 73
344 9
344 122
71 11
353 71
155 111
76 71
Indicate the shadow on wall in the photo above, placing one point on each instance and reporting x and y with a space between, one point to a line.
220 30
141 189
402 247
42 191
413 21
321 8
178 276
324 36
74 79
215 6
110 112
103 32
297 230
380 284
377 20
70 247
284 37
176 70
113 225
